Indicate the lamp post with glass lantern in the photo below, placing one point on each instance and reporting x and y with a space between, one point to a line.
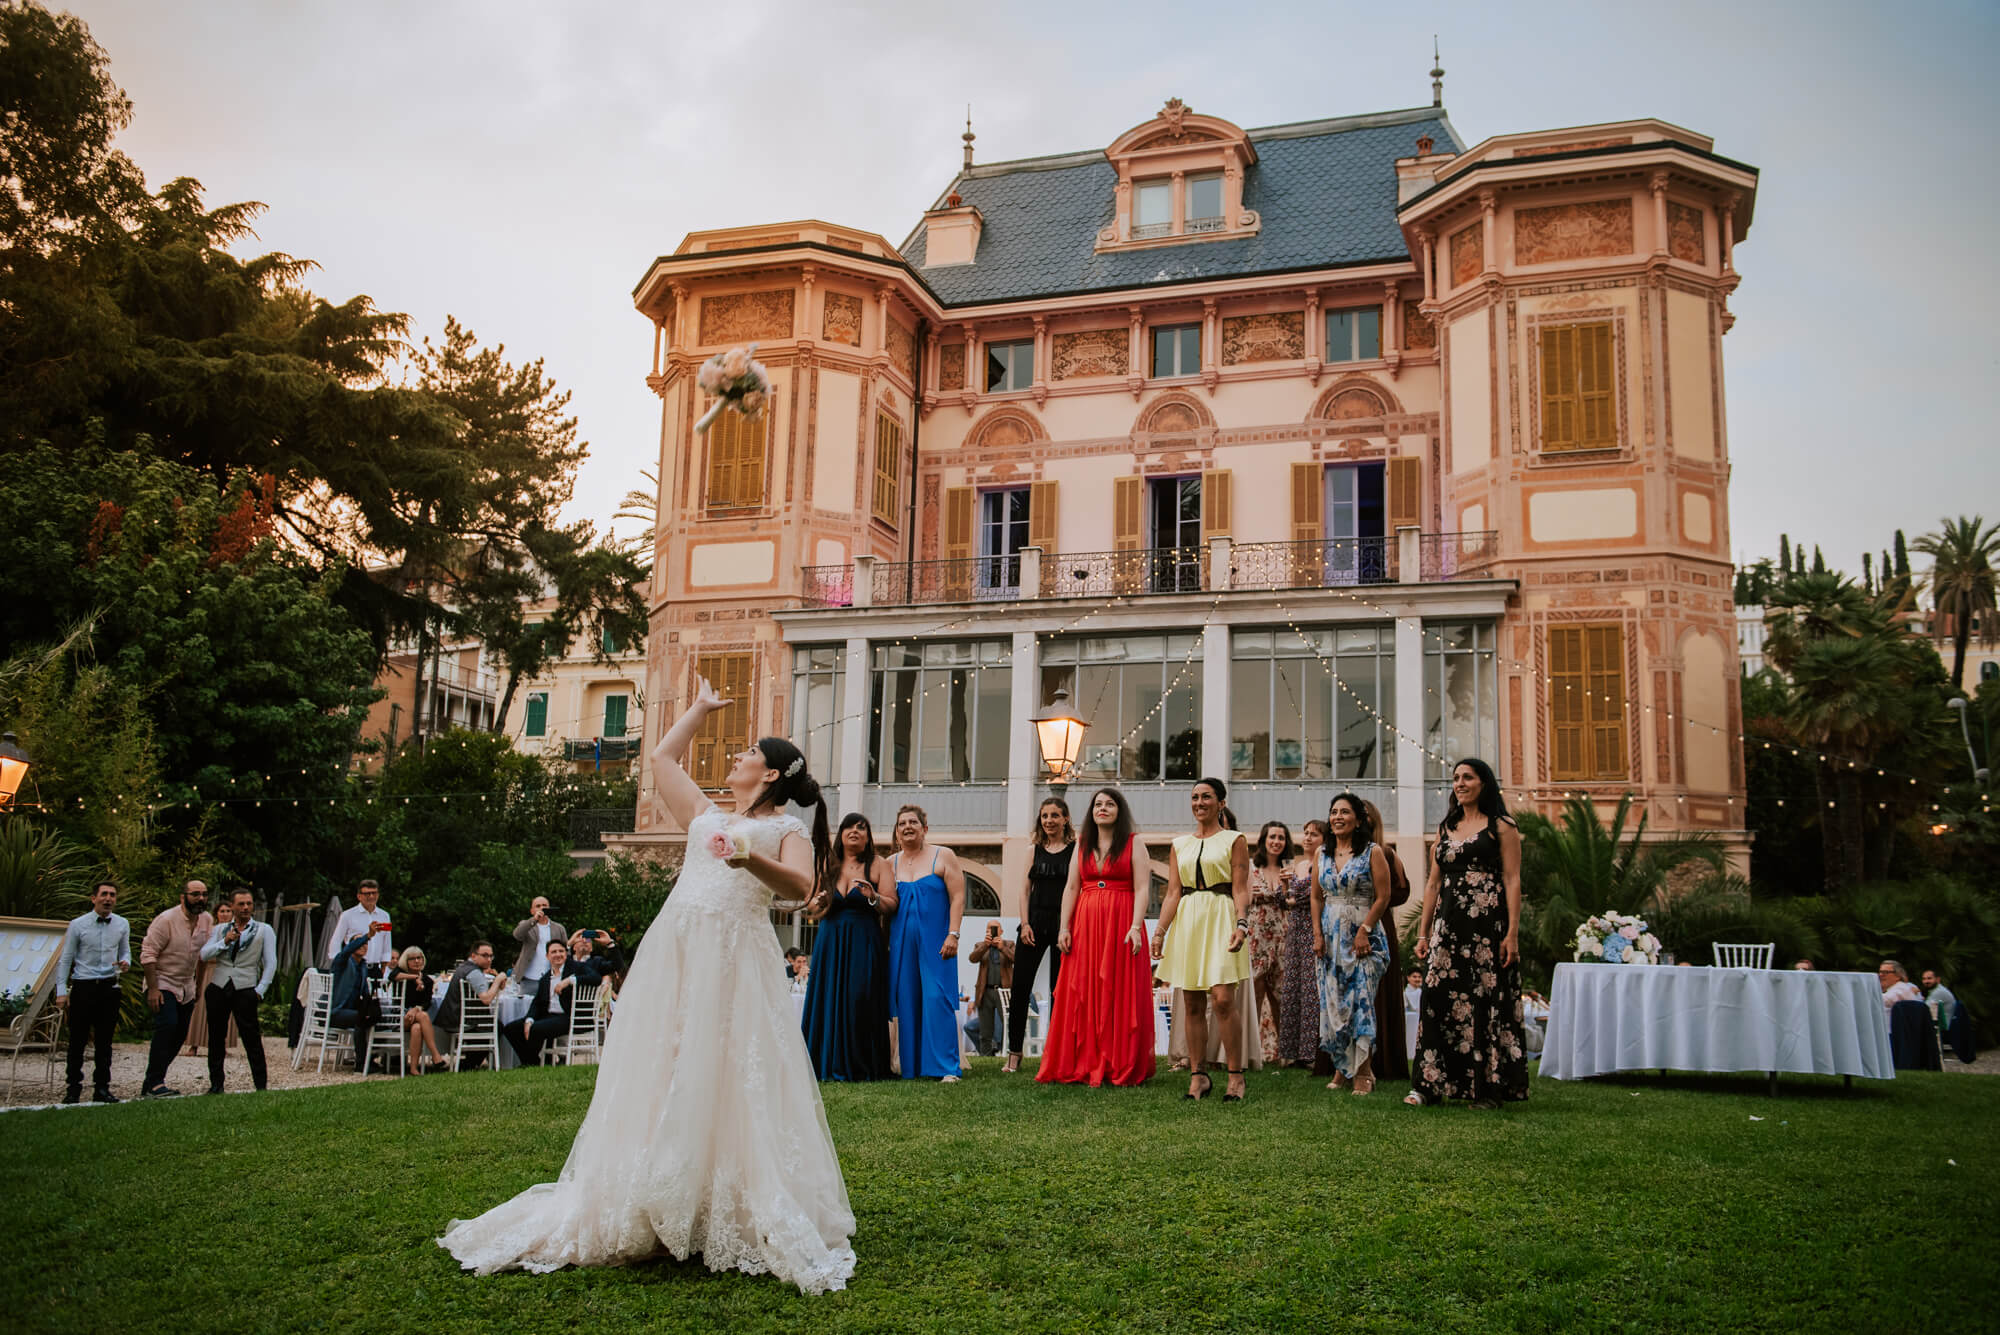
14 765
1059 732
1957 704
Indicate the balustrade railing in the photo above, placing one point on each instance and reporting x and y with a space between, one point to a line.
1139 570
1322 564
827 586
967 579
1448 556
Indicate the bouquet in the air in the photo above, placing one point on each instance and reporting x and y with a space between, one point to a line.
738 381
1617 938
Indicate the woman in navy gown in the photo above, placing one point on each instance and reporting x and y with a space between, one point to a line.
846 1019
923 950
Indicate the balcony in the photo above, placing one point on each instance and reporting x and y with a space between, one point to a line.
1410 557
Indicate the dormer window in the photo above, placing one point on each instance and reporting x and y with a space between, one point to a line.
1180 179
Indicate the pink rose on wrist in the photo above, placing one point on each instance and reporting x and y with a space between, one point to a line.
721 845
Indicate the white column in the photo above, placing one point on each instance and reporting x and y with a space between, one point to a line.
1024 761
854 737
1409 755
1215 701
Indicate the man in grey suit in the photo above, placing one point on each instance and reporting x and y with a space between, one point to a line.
245 954
534 934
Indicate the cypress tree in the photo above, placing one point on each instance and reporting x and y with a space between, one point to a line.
1784 553
1868 571
1819 562
1902 556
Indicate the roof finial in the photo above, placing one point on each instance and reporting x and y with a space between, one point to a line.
968 136
1437 74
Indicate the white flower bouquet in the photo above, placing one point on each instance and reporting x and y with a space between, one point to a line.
1617 938
738 381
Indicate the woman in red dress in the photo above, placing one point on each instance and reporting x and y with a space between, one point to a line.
1101 1028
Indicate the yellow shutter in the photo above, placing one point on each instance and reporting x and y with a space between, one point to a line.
958 523
1042 514
1405 494
1308 502
1594 382
887 492
1604 649
1566 714
1215 504
727 730
1559 387
1127 514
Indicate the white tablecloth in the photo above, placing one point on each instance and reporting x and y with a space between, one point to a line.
510 1006
1629 1017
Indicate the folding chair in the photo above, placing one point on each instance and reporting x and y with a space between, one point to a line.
1744 957
582 1038
36 1030
387 1035
478 1031
316 1030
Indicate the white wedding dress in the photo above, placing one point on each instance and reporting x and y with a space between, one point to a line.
706 1132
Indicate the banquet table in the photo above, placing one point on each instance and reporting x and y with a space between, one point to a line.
511 1005
1630 1017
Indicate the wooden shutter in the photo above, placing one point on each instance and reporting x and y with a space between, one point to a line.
1605 675
1405 494
536 724
736 461
1566 714
1128 512
1308 502
887 491
1587 702
614 715
1596 429
1042 515
960 503
1215 504
727 730
1559 406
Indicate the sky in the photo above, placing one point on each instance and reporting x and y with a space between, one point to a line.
518 165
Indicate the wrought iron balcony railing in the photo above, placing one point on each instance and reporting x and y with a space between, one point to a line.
1325 564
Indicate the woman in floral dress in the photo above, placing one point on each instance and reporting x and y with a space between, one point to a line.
1298 972
1469 1041
1268 863
1350 902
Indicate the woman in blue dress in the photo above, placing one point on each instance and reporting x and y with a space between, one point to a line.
923 950
1350 902
846 1019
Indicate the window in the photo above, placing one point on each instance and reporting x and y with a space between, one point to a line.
608 638
1152 209
1355 547
1003 532
736 461
819 707
888 466
980 897
1461 692
1175 512
614 715
942 712
1204 203
726 731
1587 702
1290 718
1177 350
1354 335
1142 696
536 723
1576 388
1010 366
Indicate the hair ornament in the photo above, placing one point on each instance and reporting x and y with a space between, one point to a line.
792 769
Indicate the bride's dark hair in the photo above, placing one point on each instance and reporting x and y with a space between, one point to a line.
796 785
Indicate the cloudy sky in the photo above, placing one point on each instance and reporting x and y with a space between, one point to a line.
518 165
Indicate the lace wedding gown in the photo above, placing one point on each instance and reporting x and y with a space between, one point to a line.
705 1133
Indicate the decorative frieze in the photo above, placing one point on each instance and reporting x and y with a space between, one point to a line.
1090 352
1419 334
951 366
842 322
901 345
739 317
1559 232
1278 336
1468 254
1685 237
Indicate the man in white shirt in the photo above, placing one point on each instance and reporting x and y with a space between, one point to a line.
245 955
548 1013
534 934
364 918
1896 984
96 952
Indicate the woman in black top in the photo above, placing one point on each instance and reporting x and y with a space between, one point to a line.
1055 844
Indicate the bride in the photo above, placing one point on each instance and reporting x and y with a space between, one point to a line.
705 1133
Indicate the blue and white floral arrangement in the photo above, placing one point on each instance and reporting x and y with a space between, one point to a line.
1616 938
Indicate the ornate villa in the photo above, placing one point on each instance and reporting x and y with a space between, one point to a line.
1313 456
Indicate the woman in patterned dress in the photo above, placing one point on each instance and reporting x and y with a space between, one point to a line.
1298 973
1268 865
1469 1041
1350 902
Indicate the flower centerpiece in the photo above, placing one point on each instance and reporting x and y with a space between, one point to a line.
738 381
1617 938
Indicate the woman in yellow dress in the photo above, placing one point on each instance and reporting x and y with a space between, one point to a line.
1204 921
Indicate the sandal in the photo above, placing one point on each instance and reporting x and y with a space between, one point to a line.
1414 1099
1338 1082
1207 1087
1233 1098
1358 1089
1012 1066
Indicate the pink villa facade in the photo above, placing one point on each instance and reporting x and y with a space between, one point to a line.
1312 457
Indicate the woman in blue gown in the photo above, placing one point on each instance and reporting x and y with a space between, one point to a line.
923 950
846 1019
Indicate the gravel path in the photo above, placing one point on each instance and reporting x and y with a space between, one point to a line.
188 1074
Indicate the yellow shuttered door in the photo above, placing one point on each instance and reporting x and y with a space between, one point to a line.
1128 533
1308 502
1405 487
726 731
1215 504
1044 511
959 504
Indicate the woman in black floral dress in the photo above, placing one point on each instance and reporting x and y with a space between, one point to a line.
1469 1042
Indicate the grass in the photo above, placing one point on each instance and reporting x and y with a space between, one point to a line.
1634 1203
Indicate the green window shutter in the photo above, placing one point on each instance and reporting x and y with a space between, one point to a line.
614 715
537 723
612 644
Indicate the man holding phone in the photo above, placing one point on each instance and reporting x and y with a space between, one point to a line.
596 957
994 958
534 934
368 918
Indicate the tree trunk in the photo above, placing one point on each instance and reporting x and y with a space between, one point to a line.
417 700
506 701
1852 823
1961 636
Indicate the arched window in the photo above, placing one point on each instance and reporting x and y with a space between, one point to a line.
979 896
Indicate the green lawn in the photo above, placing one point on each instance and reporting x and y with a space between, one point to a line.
1642 1204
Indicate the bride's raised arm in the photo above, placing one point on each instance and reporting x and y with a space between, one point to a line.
683 797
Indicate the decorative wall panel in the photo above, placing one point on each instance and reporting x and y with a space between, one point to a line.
1573 231
1419 334
1090 352
951 366
1277 337
1468 254
741 316
901 345
842 323
1685 238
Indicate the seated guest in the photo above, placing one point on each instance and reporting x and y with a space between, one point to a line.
548 1013
352 1005
1896 984
1942 1002
1803 966
409 971
792 957
476 978
597 959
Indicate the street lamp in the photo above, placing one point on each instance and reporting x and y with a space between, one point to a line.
1059 732
14 763
1957 705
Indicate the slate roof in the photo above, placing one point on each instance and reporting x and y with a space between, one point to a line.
1325 190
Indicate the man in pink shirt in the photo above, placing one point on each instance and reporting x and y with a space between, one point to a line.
169 956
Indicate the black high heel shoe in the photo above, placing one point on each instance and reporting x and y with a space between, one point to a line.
1207 1087
1233 1098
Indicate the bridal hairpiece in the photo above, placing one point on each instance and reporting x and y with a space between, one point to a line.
795 767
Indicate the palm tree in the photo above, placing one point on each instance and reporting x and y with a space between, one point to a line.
1852 699
1582 867
645 507
1807 608
1963 553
